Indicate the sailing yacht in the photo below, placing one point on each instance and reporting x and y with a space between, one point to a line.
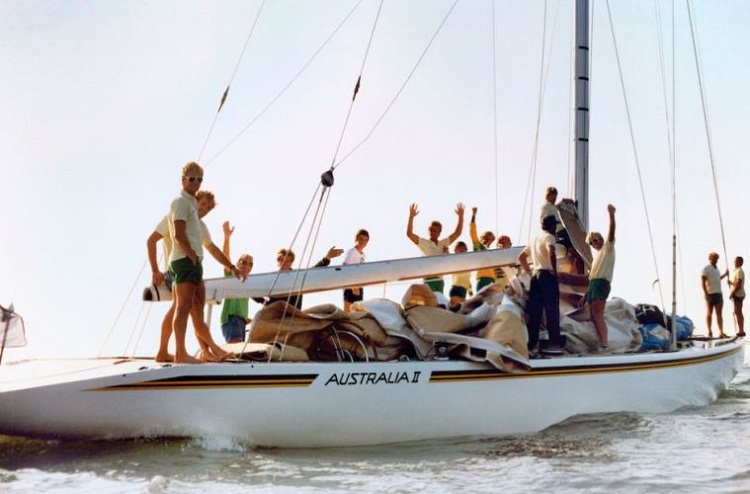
396 372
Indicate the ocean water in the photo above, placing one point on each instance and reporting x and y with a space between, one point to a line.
693 450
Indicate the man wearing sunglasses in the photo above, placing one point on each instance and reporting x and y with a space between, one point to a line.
189 292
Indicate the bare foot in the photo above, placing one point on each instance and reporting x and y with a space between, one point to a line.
722 335
222 355
186 359
164 357
207 356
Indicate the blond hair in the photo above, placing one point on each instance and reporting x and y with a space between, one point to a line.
208 195
191 167
592 235
284 254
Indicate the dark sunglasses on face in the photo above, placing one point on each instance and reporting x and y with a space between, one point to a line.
194 179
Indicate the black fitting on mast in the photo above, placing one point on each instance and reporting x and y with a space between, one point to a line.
326 179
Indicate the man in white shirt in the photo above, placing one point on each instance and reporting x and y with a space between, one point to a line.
600 277
185 264
355 255
544 293
738 294
434 246
711 283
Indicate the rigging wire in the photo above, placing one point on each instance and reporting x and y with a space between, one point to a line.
635 150
494 120
288 84
709 140
674 140
310 243
592 44
532 168
221 104
306 253
289 248
401 89
229 84
357 86
122 309
571 107
205 143
294 238
327 183
670 146
544 78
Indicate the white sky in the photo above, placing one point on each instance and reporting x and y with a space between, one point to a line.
103 102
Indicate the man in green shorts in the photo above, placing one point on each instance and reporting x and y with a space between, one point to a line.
600 277
434 246
185 262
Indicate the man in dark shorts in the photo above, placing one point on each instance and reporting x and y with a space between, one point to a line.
185 262
711 283
355 255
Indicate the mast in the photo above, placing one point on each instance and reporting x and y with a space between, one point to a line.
581 183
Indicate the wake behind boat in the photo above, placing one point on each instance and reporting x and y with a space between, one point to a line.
389 373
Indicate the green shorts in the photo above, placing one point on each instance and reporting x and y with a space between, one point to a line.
484 281
435 284
184 271
598 289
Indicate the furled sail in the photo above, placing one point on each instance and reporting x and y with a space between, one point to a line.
335 277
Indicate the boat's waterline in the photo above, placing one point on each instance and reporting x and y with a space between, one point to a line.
348 404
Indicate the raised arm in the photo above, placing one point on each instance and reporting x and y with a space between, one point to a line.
332 253
413 211
228 230
460 224
611 234
473 230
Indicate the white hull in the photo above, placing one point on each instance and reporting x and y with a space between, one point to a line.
347 404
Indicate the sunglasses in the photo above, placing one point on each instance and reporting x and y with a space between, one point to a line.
194 179
245 263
